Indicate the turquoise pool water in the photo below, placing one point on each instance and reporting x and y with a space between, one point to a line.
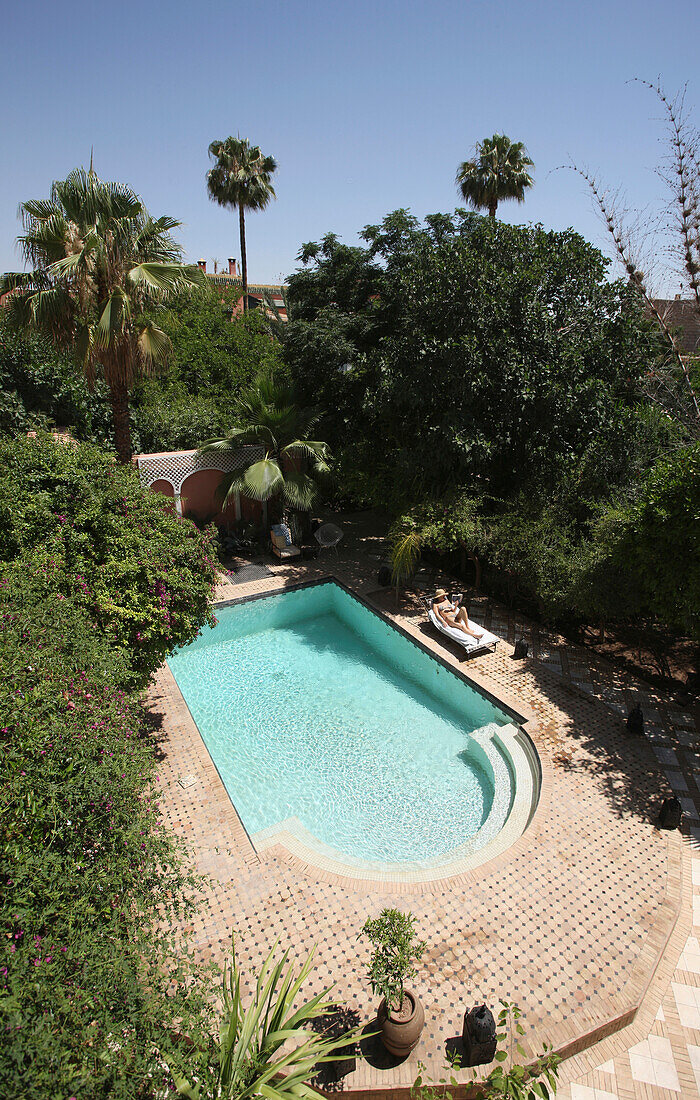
313 707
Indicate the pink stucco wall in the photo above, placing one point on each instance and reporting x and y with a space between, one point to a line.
164 487
198 497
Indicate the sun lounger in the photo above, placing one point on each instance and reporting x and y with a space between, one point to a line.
472 646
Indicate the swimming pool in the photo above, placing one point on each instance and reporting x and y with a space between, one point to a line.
326 722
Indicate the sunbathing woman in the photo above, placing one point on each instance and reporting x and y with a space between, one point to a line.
452 615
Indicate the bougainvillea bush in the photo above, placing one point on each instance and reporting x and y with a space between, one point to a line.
144 577
94 992
99 581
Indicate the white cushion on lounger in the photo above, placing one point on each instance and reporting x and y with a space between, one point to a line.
459 636
286 551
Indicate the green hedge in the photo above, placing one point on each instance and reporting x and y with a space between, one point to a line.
98 582
144 577
91 985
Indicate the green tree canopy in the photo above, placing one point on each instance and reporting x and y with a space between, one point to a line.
40 385
242 179
497 171
466 350
99 259
214 358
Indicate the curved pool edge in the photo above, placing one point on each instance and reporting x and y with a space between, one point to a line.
519 752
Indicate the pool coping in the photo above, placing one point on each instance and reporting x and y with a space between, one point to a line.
297 845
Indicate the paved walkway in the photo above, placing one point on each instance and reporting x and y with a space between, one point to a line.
586 922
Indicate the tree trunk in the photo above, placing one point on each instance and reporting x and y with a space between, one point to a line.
492 208
477 571
119 398
244 259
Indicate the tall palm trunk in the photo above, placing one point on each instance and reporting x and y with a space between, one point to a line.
492 208
119 398
244 261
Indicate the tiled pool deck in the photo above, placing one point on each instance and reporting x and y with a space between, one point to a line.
586 921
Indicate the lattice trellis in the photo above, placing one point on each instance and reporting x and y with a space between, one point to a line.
176 466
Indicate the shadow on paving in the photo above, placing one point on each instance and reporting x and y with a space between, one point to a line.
596 739
624 766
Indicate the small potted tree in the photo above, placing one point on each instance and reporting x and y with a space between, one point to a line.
396 948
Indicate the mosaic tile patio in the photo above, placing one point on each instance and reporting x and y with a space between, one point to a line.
585 922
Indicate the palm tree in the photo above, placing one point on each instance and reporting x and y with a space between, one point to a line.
271 1049
499 170
99 260
240 178
269 417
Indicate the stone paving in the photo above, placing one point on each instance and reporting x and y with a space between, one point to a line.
590 921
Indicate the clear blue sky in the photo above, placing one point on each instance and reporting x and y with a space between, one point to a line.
367 106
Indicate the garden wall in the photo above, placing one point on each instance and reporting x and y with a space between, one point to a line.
191 479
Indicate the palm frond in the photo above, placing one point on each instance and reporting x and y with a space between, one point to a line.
161 277
114 317
262 480
313 449
153 344
405 553
300 490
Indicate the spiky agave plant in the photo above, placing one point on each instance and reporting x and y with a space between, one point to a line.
99 261
270 1048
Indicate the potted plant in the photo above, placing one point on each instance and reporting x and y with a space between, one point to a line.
396 948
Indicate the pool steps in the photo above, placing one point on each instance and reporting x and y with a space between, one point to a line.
506 746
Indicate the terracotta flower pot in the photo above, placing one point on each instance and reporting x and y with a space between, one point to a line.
401 1028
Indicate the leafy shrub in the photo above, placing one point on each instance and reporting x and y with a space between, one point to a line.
396 948
534 1080
143 576
173 420
94 991
40 386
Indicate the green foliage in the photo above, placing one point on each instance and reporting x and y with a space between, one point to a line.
519 1082
270 1048
405 555
497 171
213 359
451 523
477 353
536 1080
99 259
94 989
40 386
143 576
643 557
170 419
292 464
213 354
396 949
486 383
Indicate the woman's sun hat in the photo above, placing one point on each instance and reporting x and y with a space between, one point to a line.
440 594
